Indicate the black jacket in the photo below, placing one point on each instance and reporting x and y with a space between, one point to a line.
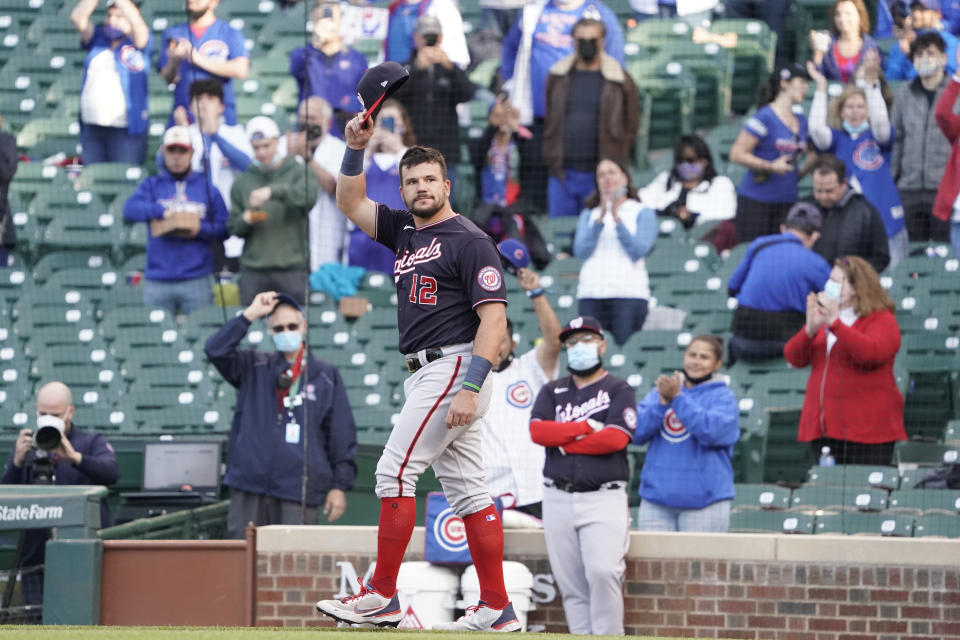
853 228
431 96
8 167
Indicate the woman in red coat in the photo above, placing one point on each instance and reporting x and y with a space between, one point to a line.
851 339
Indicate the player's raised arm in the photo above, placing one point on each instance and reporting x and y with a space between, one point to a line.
352 184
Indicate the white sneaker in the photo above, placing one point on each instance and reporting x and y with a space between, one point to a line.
482 617
367 607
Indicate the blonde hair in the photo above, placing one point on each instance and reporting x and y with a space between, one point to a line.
835 110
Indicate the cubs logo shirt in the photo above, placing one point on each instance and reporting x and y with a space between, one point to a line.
442 272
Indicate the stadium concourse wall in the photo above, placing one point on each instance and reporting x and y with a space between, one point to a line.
781 587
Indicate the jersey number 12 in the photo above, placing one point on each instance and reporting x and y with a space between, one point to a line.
423 290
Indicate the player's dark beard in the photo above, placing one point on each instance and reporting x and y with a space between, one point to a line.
193 16
426 213
583 373
506 362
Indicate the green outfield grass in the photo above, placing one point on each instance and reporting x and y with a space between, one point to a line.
238 633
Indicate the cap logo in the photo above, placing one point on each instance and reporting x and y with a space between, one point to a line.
576 323
360 98
518 253
383 84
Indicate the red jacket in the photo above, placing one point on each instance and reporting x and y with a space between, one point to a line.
851 394
949 123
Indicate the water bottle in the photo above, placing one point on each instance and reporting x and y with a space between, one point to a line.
826 460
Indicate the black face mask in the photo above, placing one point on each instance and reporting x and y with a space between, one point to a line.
696 381
587 49
179 176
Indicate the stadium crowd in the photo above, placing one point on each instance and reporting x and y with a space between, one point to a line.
251 199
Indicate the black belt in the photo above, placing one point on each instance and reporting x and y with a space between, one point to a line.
413 362
570 487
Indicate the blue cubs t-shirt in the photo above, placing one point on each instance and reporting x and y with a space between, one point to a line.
774 139
219 41
403 22
869 162
333 78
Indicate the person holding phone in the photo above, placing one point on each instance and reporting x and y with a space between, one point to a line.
838 52
435 88
327 67
770 146
850 341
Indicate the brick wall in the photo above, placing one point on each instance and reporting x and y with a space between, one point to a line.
838 597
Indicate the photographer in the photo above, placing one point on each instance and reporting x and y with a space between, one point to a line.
431 95
60 453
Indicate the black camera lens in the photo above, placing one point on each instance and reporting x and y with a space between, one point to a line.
48 438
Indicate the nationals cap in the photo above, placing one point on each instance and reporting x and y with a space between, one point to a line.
581 323
514 255
378 84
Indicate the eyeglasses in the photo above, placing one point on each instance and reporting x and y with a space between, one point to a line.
575 340
280 328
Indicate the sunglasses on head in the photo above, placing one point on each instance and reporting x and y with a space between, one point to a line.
279 328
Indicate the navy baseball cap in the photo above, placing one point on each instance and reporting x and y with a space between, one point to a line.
514 255
806 212
791 71
581 323
933 5
283 298
378 84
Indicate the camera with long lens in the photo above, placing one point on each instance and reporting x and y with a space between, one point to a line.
49 434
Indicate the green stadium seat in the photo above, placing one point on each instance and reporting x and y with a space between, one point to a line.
134 317
875 524
189 419
67 204
104 419
90 230
13 284
756 521
854 475
63 97
269 72
90 383
13 415
753 58
66 335
203 323
660 32
785 459
673 88
939 524
921 501
761 496
281 34
63 260
38 130
33 178
829 498
93 284
175 356
78 355
109 180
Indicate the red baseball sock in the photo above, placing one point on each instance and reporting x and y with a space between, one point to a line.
485 538
397 517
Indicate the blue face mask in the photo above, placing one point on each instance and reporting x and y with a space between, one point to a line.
274 162
111 32
287 341
856 130
833 289
583 356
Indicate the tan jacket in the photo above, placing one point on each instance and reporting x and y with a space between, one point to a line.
619 113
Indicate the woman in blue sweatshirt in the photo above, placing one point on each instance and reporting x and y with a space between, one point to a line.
691 421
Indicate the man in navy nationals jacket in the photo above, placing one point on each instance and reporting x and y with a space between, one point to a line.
178 265
82 457
288 403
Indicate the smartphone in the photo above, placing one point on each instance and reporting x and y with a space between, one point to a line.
326 12
430 39
387 122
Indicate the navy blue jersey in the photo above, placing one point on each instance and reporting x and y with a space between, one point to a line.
442 272
609 400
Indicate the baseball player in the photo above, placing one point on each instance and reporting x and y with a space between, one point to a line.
586 420
512 461
451 317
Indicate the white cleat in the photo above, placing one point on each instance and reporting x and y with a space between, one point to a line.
483 618
366 608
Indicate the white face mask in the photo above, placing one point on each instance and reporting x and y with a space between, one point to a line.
926 67
833 289
583 356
